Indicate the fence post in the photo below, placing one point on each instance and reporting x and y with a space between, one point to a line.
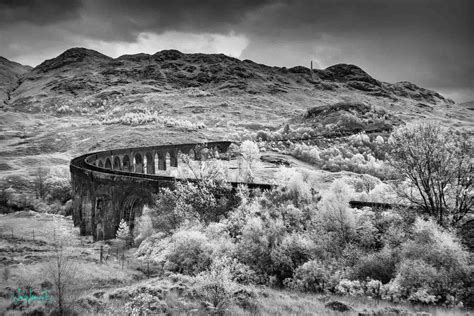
123 258
101 253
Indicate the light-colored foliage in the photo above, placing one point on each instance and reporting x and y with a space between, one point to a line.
251 155
435 170
123 232
143 226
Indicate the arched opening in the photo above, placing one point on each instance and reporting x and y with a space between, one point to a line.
173 159
108 164
132 208
138 163
161 161
117 163
100 164
150 163
126 163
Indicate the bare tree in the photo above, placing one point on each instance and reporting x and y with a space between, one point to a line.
39 182
61 270
435 170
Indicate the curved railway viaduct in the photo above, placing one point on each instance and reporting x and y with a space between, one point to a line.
111 185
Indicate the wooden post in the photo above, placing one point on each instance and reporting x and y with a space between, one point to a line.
123 258
101 249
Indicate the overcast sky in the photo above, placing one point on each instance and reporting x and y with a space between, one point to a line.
427 42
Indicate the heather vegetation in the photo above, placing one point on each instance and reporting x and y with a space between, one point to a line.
147 117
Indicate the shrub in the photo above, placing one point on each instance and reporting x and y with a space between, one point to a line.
58 187
295 187
144 304
262 136
254 246
417 276
373 288
433 260
215 287
348 287
312 276
293 251
334 206
189 252
378 266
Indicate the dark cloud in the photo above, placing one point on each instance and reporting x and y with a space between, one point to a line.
37 12
428 42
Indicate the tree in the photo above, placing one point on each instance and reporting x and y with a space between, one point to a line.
61 269
336 211
250 153
435 170
40 176
123 232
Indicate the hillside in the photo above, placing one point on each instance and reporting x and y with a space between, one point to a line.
10 72
81 78
82 100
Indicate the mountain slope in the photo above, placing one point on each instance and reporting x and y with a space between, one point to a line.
10 73
80 72
195 86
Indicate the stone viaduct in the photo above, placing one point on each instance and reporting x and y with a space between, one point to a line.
112 185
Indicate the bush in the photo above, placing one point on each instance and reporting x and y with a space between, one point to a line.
189 252
58 187
253 248
215 287
348 287
293 251
311 276
296 188
378 266
334 206
262 136
417 276
144 304
434 261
